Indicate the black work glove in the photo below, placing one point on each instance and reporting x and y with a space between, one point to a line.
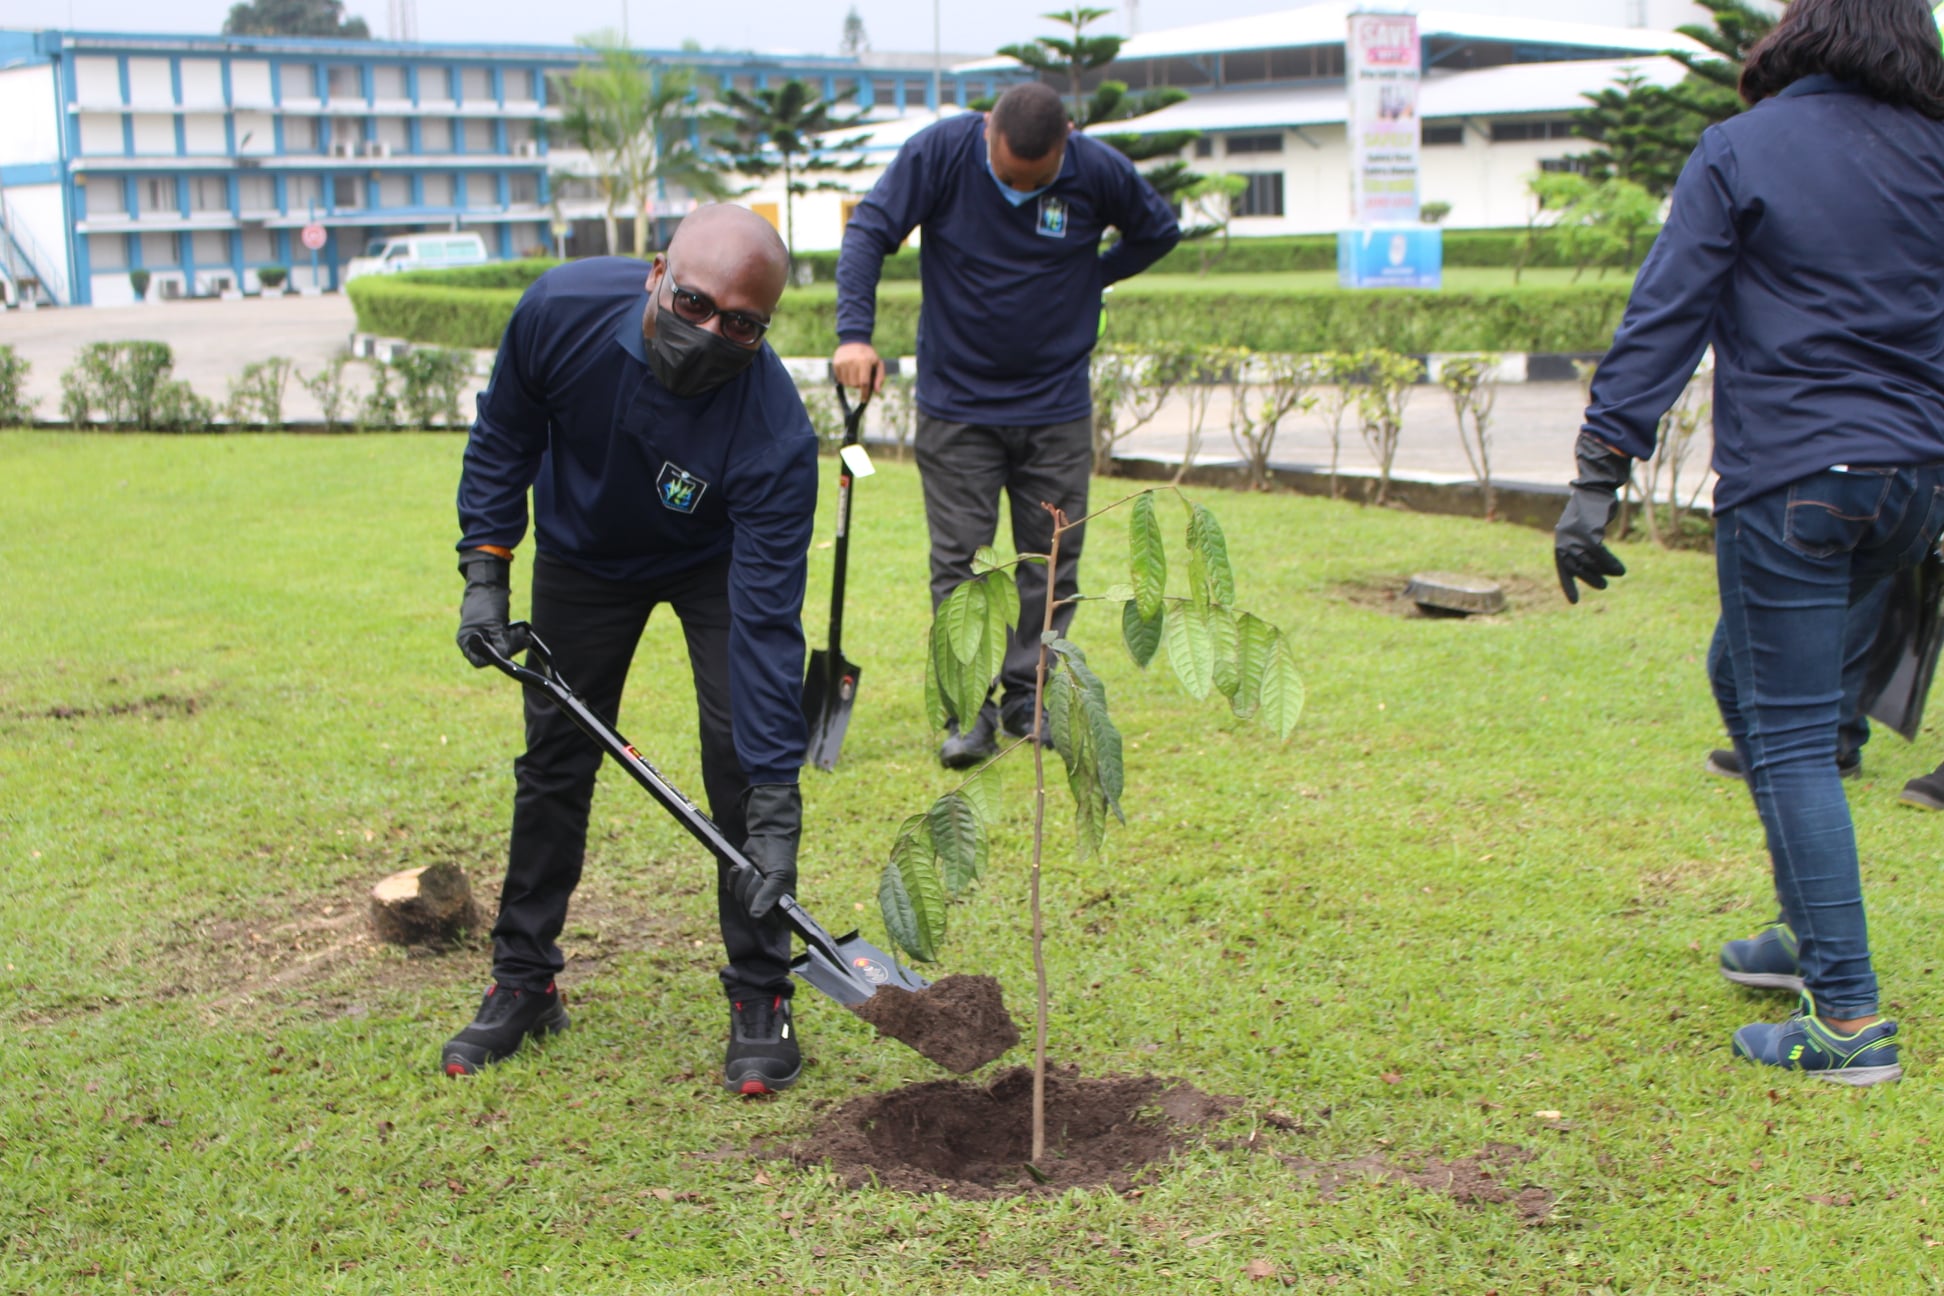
484 610
1579 541
773 813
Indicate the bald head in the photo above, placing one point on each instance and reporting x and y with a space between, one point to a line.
732 255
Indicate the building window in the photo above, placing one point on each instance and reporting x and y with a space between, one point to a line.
210 247
574 189
1435 136
519 85
1263 197
435 135
300 134
345 83
260 245
1576 165
157 195
394 132
437 188
518 131
108 251
256 193
346 192
160 251
1510 132
208 194
1267 143
476 136
557 87
388 82
297 80
105 198
522 189
303 194
476 85
1204 147
481 191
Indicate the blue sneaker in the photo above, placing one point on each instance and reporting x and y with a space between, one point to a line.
1803 1043
1764 961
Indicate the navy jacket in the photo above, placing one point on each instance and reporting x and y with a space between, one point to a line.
1012 294
631 483
1806 242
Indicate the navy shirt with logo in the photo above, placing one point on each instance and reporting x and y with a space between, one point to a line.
1011 293
1804 243
633 483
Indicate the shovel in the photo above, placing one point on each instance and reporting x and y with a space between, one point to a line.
847 968
830 687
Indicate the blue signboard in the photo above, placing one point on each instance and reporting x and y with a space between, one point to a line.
1391 256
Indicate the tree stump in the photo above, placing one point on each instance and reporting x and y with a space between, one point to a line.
423 906
1451 594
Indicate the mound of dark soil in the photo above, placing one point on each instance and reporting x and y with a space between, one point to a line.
959 1022
966 1141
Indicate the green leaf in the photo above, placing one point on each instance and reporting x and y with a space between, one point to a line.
936 712
1282 691
1065 715
910 894
1002 602
984 560
1112 594
958 840
963 617
1254 639
1228 674
1143 636
1205 541
1089 811
1191 648
962 688
1147 558
982 790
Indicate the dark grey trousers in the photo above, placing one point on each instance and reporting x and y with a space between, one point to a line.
965 467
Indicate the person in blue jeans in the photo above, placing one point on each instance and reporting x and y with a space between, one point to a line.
1803 243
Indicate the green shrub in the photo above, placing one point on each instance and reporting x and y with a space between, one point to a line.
272 278
434 380
1576 318
257 394
128 384
15 406
328 389
498 274
378 412
139 280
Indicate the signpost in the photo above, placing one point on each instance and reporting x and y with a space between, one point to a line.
1386 246
313 237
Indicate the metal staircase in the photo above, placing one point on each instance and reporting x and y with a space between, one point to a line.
34 277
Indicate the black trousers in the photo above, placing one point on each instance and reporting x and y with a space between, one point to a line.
965 467
592 625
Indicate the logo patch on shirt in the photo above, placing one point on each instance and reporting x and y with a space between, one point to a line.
679 489
1052 217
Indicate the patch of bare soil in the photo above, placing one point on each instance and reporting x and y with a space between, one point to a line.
959 1022
1385 593
157 706
973 1142
1477 1180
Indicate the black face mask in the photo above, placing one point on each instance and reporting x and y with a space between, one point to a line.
689 360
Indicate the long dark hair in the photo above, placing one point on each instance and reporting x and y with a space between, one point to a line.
1888 47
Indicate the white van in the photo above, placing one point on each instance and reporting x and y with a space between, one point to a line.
403 252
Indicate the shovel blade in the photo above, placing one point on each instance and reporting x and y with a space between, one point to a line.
829 691
865 968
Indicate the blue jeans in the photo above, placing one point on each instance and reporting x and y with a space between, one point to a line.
1793 565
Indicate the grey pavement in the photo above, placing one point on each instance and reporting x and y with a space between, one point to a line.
1533 425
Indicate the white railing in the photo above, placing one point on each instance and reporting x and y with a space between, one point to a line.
24 258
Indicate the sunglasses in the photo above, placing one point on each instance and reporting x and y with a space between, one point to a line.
697 308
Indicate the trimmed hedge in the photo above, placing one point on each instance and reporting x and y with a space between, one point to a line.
1576 318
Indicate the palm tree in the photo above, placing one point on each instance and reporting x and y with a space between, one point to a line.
636 119
785 129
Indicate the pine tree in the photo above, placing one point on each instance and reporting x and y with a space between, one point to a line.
856 41
1711 85
1643 132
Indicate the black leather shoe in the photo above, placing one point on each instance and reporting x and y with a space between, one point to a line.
976 745
1927 791
1727 764
763 1057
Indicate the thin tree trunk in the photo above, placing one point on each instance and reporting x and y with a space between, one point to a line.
1039 842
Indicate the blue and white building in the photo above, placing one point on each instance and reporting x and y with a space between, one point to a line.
201 159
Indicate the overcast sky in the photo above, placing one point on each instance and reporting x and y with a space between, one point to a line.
812 26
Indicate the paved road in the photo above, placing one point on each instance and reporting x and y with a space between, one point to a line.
1533 427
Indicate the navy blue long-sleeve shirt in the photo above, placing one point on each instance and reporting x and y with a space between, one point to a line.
1011 294
631 482
1806 243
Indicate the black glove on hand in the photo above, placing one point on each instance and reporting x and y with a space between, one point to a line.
1579 548
774 815
484 611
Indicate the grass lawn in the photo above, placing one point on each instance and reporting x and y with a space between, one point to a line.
1465 278
1475 901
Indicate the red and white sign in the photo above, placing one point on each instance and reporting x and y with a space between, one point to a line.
1383 71
312 237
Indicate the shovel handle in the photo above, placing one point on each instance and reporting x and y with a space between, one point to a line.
853 414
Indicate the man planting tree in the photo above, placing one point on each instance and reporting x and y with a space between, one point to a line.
1013 205
671 461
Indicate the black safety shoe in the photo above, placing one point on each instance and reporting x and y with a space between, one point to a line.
1927 791
976 745
1725 762
1017 722
507 1016
763 1057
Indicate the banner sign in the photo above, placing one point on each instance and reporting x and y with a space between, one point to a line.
1382 66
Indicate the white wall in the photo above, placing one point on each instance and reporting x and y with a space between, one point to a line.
32 128
98 80
154 134
250 82
149 83
102 133
202 83
203 133
41 213
113 289
261 132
